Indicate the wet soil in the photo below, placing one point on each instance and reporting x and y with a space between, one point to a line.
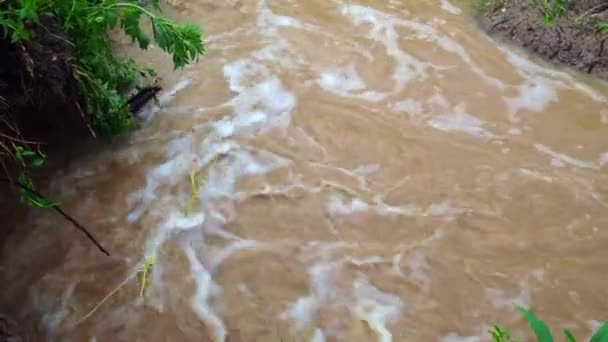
573 39
39 92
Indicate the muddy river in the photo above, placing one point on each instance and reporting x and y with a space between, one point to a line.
332 170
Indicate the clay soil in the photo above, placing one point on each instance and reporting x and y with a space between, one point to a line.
572 40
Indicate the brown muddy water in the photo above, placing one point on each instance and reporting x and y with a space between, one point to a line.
365 171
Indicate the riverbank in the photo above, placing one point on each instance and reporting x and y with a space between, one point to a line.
570 35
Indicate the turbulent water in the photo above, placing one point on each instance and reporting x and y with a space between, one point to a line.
333 170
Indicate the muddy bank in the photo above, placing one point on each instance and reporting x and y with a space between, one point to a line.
572 40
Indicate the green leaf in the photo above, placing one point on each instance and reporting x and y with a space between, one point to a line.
130 24
569 335
20 33
601 335
111 19
183 42
156 5
29 10
542 332
27 153
38 162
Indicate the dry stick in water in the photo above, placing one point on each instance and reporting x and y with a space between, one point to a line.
108 296
62 213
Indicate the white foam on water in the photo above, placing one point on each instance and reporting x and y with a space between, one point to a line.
165 99
278 49
565 158
340 206
457 338
346 82
222 158
411 107
376 308
442 116
343 80
459 121
603 160
534 95
522 64
540 85
444 208
279 20
367 169
384 31
539 274
515 131
420 268
256 105
230 250
396 265
176 222
594 326
321 284
169 95
243 73
536 175
531 71
500 299
165 174
427 32
557 163
373 260
204 289
446 5
318 336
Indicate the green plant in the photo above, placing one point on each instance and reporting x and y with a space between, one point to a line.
603 28
145 275
194 192
103 78
552 9
500 334
542 331
29 159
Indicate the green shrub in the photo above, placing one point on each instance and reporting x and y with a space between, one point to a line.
552 9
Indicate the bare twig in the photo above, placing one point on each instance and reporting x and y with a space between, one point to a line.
62 213
108 296
19 140
592 10
85 120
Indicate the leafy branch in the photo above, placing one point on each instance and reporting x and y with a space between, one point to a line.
102 77
103 80
35 198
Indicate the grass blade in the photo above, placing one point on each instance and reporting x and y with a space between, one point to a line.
542 332
601 335
569 335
